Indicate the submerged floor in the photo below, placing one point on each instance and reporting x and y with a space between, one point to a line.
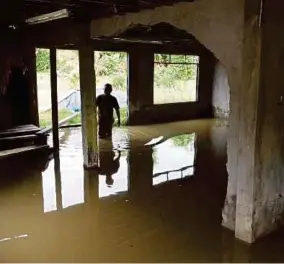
158 198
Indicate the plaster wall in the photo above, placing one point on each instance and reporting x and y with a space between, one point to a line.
221 92
141 79
269 190
218 25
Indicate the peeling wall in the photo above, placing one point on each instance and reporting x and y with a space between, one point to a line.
269 196
218 25
221 92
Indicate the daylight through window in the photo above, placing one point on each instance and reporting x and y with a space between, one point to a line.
175 78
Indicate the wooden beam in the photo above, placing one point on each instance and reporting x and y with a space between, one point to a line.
54 100
88 109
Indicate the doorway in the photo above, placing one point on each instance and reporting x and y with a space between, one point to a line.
111 67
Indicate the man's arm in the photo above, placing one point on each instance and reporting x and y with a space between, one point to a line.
118 115
117 110
97 101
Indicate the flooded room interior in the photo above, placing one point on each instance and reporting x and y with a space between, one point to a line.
141 131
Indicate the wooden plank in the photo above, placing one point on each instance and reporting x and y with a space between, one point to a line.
17 151
33 136
54 100
19 130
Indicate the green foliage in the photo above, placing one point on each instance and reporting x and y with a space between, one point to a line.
171 69
111 67
68 66
42 60
183 140
123 116
45 118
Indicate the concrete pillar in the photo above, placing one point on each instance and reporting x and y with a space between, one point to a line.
57 173
268 188
256 188
88 109
140 82
140 168
54 99
91 187
247 178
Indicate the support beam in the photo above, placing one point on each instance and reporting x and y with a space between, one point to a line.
58 185
88 109
140 173
140 82
54 100
247 185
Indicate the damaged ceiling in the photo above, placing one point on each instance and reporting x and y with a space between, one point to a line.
17 11
155 34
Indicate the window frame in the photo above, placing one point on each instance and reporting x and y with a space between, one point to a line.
178 63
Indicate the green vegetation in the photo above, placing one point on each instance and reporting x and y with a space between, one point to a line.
183 140
111 67
45 118
170 69
174 77
42 60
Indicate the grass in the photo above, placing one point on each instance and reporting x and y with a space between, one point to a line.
186 92
45 118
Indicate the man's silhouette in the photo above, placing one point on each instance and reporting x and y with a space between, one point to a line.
106 103
109 165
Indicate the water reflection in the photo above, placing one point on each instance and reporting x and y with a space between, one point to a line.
113 173
133 227
170 160
113 170
174 158
5 239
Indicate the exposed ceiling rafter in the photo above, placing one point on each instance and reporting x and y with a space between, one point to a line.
18 11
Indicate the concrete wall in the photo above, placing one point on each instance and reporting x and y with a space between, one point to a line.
252 54
141 80
218 25
16 49
221 92
269 190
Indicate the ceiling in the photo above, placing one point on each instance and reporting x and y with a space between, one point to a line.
16 11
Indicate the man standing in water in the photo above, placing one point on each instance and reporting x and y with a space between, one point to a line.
106 103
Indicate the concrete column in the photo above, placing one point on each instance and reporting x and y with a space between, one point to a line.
268 188
91 187
54 99
247 178
88 109
57 173
140 167
140 82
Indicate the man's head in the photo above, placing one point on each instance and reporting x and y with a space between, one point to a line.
109 180
108 88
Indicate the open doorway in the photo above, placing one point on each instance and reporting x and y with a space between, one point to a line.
67 87
111 67
43 87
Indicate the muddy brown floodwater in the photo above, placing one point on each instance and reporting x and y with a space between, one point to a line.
158 197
